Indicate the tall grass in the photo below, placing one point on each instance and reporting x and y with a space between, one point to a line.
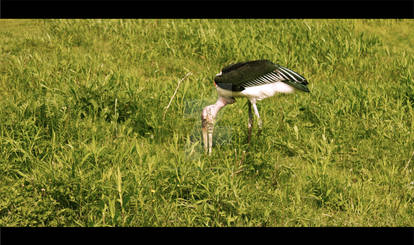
83 141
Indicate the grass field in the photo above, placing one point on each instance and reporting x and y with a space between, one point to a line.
84 142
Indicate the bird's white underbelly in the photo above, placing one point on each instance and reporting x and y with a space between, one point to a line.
258 92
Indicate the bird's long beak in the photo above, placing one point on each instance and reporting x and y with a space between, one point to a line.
207 123
207 135
205 139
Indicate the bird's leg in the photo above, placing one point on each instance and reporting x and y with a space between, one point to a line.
250 123
259 121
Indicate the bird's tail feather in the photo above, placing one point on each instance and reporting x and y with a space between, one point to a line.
297 81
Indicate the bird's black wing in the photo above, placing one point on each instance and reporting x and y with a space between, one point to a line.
280 74
242 75
233 76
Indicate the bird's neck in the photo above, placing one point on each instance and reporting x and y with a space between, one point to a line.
220 103
210 112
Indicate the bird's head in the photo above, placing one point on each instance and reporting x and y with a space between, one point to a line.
207 115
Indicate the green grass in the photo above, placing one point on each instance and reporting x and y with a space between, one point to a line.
83 141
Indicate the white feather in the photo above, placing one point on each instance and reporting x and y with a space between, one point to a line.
258 92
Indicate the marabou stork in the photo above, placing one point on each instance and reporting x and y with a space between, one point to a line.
255 80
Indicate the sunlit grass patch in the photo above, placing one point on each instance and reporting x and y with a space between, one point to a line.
92 132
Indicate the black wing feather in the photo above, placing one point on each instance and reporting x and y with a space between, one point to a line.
242 75
233 76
